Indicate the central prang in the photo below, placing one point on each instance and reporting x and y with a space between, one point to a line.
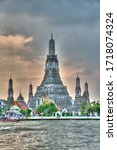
52 85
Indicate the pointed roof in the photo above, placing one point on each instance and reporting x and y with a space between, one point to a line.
77 76
86 82
10 79
51 36
30 84
20 97
77 79
51 45
51 39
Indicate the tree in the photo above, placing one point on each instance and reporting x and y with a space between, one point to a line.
47 108
0 111
26 112
87 108
84 108
96 107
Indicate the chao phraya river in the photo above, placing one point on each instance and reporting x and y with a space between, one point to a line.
50 135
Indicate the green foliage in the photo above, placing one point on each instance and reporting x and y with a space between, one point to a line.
46 115
68 114
96 107
87 108
83 108
26 112
0 111
47 109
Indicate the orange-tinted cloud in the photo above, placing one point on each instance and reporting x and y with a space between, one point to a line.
14 42
12 64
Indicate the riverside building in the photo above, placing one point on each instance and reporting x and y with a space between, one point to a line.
53 87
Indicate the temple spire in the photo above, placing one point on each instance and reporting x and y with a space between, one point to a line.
30 95
86 86
10 91
51 46
51 36
86 92
78 89
52 85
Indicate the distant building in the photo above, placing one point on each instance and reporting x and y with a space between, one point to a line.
78 88
20 97
79 99
86 93
32 101
10 98
20 102
30 95
14 113
3 105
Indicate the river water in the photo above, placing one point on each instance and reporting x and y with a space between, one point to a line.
50 135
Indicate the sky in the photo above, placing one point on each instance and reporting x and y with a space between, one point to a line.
25 29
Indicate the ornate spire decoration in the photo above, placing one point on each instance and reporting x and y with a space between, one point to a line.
51 36
51 46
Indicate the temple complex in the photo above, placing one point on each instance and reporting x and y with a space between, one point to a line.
52 85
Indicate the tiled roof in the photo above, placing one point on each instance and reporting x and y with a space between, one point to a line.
21 105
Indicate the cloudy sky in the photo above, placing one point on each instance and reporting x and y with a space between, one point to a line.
25 28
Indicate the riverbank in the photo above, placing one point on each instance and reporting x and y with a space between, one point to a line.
64 118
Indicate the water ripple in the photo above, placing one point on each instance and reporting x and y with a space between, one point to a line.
50 135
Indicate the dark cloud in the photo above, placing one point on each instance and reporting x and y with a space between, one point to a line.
75 26
62 12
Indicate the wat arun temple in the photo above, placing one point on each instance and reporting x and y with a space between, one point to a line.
53 87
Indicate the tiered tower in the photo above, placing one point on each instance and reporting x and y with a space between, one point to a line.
30 95
86 92
51 84
10 98
31 99
78 89
79 99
